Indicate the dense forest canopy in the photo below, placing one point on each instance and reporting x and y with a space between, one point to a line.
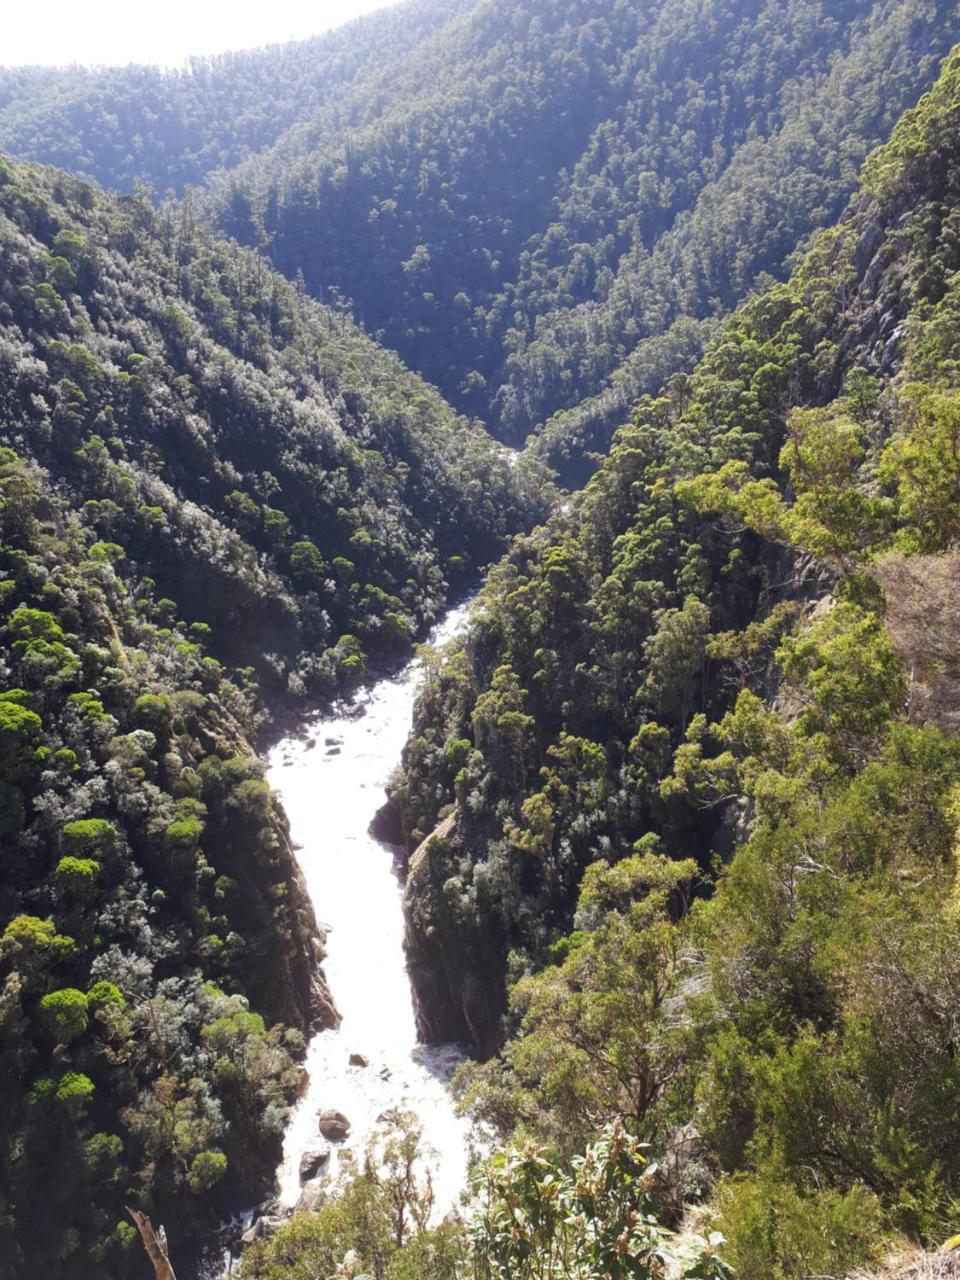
682 806
697 769
173 128
542 207
216 495
544 203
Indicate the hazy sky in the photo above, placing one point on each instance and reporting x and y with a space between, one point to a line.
116 32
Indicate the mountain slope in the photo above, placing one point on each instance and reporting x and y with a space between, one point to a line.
542 208
544 202
267 461
215 495
728 673
778 1016
173 128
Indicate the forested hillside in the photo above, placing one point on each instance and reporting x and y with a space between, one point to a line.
173 128
550 202
542 207
697 771
215 495
682 807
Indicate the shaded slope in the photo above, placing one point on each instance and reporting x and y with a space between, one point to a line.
541 197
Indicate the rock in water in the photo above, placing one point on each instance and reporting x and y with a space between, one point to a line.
314 1162
386 826
334 1125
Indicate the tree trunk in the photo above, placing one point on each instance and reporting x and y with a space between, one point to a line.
155 1245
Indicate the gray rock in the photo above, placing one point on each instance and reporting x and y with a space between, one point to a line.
358 1060
311 1197
314 1162
252 1234
334 1125
266 1225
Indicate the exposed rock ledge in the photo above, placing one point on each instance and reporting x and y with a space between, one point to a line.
314 1002
456 975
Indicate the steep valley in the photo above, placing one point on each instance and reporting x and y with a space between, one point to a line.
668 869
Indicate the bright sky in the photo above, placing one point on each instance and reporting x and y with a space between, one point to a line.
115 32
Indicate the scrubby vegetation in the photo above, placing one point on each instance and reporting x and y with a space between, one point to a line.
537 1219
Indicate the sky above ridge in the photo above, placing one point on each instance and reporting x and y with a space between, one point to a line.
115 32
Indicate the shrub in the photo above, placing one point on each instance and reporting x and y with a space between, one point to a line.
206 1170
74 1091
89 836
105 993
76 878
776 1232
538 1220
64 1014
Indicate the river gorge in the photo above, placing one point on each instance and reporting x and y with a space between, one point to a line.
331 781
331 777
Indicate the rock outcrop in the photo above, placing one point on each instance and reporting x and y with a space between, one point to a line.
386 826
314 1162
456 973
308 1001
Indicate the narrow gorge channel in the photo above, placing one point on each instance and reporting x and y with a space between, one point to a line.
331 782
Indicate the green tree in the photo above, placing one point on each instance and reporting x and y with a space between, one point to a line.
64 1014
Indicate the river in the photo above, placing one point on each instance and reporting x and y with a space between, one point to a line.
330 791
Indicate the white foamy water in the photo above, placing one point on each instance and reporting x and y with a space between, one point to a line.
330 792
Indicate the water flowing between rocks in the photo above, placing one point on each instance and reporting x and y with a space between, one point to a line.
331 790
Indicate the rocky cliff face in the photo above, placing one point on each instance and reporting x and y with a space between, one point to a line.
456 977
301 977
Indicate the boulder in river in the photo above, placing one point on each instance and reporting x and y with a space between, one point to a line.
334 1125
358 1060
314 1162
386 825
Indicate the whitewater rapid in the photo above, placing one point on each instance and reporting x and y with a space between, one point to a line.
331 782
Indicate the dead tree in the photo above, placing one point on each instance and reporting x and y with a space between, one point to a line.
155 1243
